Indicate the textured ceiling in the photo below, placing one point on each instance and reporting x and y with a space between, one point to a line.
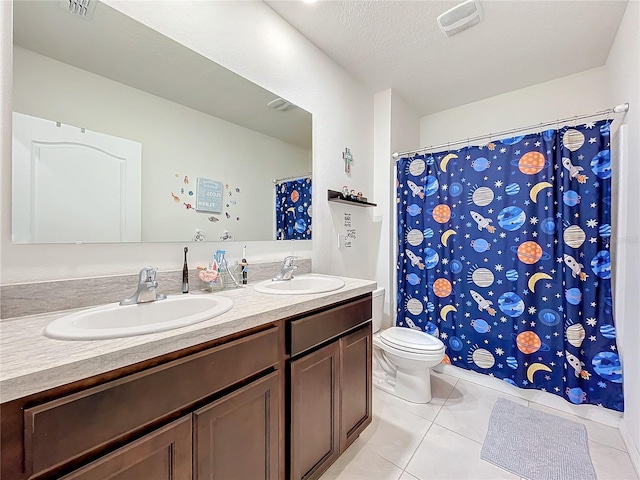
397 44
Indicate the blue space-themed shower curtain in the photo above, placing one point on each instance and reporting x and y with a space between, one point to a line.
504 255
293 210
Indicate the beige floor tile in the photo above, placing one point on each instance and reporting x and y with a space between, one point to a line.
465 391
597 431
407 476
360 463
444 454
441 387
394 433
469 418
611 463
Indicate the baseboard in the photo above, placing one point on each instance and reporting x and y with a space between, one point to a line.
632 448
590 412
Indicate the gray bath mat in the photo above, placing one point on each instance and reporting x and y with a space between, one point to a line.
536 445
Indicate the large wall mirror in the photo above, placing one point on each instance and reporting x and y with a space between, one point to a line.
122 134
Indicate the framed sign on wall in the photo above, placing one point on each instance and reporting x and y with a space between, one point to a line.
209 195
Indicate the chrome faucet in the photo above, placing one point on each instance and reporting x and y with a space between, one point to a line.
146 291
287 269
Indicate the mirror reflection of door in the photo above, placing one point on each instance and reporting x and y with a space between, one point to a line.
73 185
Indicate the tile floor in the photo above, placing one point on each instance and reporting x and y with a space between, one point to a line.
442 439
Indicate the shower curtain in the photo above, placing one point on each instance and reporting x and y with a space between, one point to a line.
293 210
504 255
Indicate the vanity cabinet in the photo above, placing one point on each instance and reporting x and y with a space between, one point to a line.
330 385
279 401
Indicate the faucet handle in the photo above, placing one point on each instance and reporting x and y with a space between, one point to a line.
288 260
148 274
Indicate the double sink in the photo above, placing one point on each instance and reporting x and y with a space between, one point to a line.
117 321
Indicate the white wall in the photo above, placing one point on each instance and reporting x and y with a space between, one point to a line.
396 128
175 139
253 41
623 70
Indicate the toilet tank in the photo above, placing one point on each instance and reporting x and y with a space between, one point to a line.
377 308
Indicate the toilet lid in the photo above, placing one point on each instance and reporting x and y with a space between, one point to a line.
411 340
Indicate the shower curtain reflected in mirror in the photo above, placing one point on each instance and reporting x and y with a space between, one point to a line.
504 254
293 210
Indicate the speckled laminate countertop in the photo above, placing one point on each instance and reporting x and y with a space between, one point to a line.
31 363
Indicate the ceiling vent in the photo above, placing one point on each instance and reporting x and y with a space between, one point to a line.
281 104
460 17
79 8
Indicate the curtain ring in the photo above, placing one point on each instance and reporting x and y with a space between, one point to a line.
468 143
557 124
608 114
575 121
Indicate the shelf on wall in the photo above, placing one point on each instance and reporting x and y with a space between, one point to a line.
335 196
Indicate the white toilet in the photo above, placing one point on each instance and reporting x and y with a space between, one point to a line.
402 357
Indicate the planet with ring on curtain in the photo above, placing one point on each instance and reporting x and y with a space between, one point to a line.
441 213
548 226
601 164
511 304
480 245
442 288
511 218
431 258
601 264
529 342
512 189
572 139
455 189
413 279
576 395
607 365
480 325
531 163
480 164
530 252
295 196
571 198
573 296
414 209
432 186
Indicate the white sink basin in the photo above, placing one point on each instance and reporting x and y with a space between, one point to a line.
115 321
304 284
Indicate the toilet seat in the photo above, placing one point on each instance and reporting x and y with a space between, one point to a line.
411 341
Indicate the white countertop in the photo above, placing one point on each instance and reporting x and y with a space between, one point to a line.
31 363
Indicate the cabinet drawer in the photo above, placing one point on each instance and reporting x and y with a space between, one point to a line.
316 329
78 424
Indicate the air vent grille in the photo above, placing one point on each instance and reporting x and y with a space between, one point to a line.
460 18
79 8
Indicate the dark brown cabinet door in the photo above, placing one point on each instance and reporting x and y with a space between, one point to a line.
355 385
162 454
236 437
314 412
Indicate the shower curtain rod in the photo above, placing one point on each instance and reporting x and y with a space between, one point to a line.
292 177
624 107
